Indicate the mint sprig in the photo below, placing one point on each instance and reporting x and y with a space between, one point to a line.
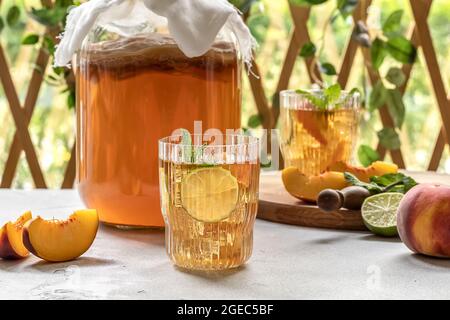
391 182
324 100
186 142
372 187
191 151
328 98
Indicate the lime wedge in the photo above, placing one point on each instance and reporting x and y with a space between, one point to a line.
209 194
379 213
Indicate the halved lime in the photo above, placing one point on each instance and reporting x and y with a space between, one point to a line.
379 213
209 194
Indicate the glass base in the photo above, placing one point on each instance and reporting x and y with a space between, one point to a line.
212 271
131 227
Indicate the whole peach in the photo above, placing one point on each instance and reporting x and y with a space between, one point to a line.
423 220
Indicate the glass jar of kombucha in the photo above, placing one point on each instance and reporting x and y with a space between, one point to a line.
131 91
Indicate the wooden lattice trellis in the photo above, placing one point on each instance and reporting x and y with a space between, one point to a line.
269 110
419 35
22 116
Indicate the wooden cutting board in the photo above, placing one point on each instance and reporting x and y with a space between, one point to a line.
276 204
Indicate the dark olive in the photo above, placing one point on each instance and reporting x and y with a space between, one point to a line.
330 200
354 197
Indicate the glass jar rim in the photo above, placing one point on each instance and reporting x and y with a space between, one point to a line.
291 99
292 92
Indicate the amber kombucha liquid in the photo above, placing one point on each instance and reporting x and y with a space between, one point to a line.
214 245
131 93
312 140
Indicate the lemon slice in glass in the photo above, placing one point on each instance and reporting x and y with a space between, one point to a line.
209 194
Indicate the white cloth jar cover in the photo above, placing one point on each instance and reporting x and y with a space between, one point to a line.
194 24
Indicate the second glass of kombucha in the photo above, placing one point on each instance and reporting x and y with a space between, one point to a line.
313 138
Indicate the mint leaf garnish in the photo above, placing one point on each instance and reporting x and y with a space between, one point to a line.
323 100
332 93
391 182
372 187
186 144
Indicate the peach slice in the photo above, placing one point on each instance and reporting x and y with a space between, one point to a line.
11 245
314 123
56 240
378 168
308 188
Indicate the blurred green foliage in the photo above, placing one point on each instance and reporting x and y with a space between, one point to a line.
52 124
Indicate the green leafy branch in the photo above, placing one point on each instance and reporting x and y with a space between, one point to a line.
243 5
11 20
309 50
387 90
54 19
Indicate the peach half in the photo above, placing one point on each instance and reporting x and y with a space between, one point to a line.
61 240
308 188
11 245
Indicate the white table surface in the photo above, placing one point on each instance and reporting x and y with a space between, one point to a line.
288 262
